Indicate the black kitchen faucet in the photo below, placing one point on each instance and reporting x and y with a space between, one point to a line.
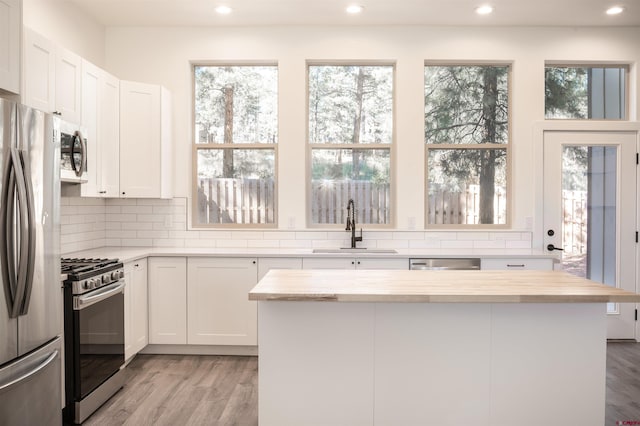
351 223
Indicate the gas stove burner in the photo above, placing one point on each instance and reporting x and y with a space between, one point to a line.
86 274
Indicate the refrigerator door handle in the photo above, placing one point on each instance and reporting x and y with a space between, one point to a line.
36 370
7 238
23 236
30 236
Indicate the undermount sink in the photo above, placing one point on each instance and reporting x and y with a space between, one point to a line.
354 250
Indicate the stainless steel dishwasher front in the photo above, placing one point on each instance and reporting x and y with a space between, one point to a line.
444 264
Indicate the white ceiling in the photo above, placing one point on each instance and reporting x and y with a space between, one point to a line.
377 12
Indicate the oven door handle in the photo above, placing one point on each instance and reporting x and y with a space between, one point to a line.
81 302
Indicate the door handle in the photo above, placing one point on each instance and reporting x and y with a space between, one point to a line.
551 247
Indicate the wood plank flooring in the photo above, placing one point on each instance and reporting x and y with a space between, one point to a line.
223 390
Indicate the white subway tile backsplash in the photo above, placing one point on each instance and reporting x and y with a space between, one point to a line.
120 217
94 222
296 244
473 236
489 244
247 235
231 244
279 235
455 244
137 209
512 244
311 235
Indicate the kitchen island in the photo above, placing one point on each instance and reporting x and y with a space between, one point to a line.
432 347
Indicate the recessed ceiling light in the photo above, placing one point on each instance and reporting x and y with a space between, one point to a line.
615 10
484 10
355 9
223 10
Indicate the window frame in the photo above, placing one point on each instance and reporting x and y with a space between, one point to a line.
591 64
508 147
391 147
195 147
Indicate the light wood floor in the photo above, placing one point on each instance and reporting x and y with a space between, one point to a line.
223 390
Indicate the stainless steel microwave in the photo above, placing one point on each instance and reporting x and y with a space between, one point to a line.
73 153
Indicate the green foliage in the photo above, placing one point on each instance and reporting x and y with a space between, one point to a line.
350 104
255 103
566 92
456 102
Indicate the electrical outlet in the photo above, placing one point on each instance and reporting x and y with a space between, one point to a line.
411 222
291 222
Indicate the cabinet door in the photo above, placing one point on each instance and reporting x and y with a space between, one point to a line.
140 311
266 264
220 312
388 263
109 135
167 300
515 264
39 72
140 153
68 77
128 311
90 123
329 263
11 18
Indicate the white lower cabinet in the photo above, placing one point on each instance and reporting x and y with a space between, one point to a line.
167 281
136 318
266 264
219 309
516 264
354 263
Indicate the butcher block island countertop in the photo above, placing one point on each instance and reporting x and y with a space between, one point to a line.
435 287
505 348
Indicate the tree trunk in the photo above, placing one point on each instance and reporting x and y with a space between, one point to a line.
357 121
227 160
488 156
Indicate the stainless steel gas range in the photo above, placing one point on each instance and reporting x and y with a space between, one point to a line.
94 334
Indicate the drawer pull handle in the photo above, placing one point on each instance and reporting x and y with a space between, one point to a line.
515 266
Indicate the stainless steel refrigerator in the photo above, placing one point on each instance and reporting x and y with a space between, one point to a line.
31 298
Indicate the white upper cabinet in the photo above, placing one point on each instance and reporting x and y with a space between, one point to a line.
145 141
100 119
39 72
10 26
52 77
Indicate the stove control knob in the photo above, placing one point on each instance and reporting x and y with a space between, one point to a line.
89 284
121 275
114 276
105 278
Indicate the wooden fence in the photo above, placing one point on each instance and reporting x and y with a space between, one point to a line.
236 201
330 198
463 207
574 216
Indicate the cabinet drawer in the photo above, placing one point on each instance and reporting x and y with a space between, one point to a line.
517 264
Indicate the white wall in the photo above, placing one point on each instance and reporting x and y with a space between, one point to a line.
67 26
163 55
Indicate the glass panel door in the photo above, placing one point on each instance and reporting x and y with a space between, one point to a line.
590 212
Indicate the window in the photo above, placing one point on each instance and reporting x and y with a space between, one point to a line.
350 139
467 139
235 145
585 92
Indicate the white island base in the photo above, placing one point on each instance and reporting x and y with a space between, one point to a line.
499 364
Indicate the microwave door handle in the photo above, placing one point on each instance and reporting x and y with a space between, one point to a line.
7 235
30 236
23 236
83 154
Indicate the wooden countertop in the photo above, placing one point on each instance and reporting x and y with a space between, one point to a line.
435 287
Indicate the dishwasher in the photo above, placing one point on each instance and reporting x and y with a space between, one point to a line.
444 264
